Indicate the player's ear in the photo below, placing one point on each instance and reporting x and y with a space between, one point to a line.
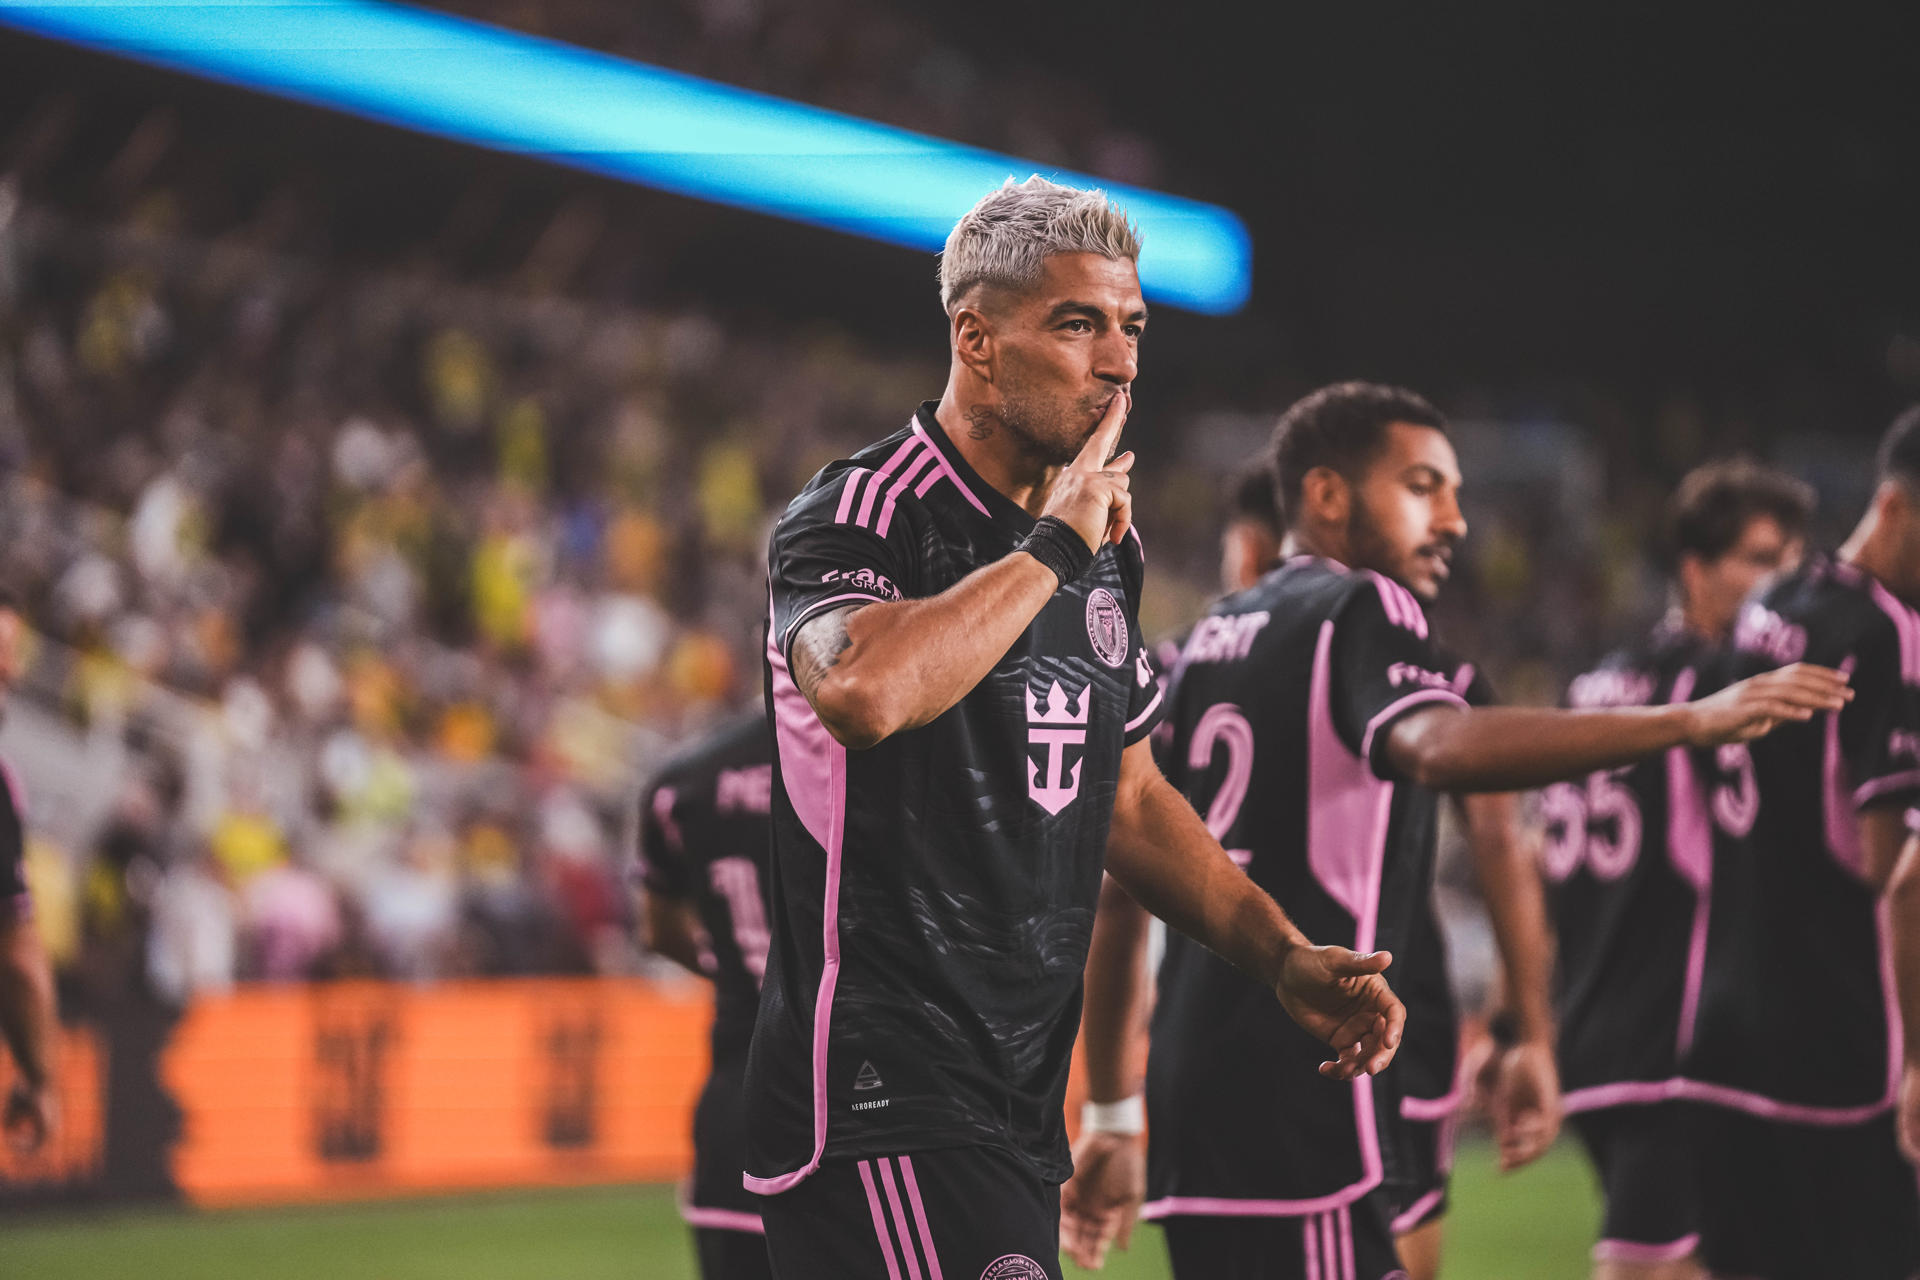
1325 496
973 339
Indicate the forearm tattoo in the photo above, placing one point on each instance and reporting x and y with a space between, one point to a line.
816 649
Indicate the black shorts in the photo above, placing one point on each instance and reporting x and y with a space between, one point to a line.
1352 1243
1648 1164
1418 1194
961 1213
1796 1202
731 1255
720 1150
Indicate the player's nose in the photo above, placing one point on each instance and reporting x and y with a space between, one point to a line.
1115 360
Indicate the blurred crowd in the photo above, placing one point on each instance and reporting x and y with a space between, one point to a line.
367 592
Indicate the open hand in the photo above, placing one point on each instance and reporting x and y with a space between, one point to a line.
1100 1202
1339 996
1756 706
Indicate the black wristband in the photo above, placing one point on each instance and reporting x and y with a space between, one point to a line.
1503 1028
1054 544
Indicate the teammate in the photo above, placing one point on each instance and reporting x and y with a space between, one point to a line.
703 861
1314 723
961 702
27 1020
1815 925
1518 1078
1627 858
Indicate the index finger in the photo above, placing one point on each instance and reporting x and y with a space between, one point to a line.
1106 432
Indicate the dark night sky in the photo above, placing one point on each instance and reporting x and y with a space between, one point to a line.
1503 208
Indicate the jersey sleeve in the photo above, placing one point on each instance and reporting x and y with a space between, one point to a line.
1879 730
1148 691
823 555
1385 665
661 861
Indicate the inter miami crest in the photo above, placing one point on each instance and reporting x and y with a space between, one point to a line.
1106 627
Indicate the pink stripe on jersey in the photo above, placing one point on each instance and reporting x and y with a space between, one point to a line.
1429 1110
1141 719
899 1220
721 1219
1410 1218
1310 1242
1394 709
1881 786
1347 1268
1690 850
1843 824
1906 624
947 470
847 494
1645 1254
879 1220
813 769
1134 533
925 458
920 1218
888 468
15 789
820 605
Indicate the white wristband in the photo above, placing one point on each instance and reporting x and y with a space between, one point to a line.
1127 1116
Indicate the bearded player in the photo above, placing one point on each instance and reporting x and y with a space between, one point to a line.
1315 723
961 703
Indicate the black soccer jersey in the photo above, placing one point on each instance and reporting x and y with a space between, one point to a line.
704 839
1796 1020
1626 860
1281 710
934 895
15 902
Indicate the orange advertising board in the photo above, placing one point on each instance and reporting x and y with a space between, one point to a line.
372 1089
79 1143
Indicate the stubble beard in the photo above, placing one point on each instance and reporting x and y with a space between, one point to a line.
1046 431
1371 550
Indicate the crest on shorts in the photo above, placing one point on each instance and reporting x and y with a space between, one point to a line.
1014 1266
1107 627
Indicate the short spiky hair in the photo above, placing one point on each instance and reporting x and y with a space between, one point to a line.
1341 427
1006 238
1718 500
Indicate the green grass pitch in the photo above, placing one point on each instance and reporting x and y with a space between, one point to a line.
1533 1225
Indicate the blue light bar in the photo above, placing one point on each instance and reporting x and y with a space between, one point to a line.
511 92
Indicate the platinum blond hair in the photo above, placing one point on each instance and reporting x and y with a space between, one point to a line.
1009 235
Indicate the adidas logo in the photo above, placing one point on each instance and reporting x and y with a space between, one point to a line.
867 1078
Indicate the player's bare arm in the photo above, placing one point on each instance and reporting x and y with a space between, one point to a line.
671 927
27 1024
1099 1204
1163 855
1513 748
1892 859
870 671
1524 1088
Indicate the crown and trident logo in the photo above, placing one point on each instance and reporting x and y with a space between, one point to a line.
1061 724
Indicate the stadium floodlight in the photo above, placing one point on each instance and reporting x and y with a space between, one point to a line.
501 89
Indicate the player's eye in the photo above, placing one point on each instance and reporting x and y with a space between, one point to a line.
1134 331
1078 326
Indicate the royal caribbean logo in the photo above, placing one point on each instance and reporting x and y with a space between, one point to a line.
1056 727
1107 627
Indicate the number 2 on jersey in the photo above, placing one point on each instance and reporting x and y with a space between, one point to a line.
1224 724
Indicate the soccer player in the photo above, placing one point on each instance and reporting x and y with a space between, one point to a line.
1797 1045
27 1020
703 849
1518 1077
961 702
1627 856
1314 723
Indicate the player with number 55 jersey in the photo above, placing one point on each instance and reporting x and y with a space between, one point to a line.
1627 858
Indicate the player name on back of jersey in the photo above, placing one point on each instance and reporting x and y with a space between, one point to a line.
1226 637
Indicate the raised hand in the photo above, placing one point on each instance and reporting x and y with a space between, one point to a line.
1756 706
1092 494
30 1116
1339 996
1099 1203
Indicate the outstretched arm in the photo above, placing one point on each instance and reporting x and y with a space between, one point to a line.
28 1024
872 670
1164 857
1515 748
